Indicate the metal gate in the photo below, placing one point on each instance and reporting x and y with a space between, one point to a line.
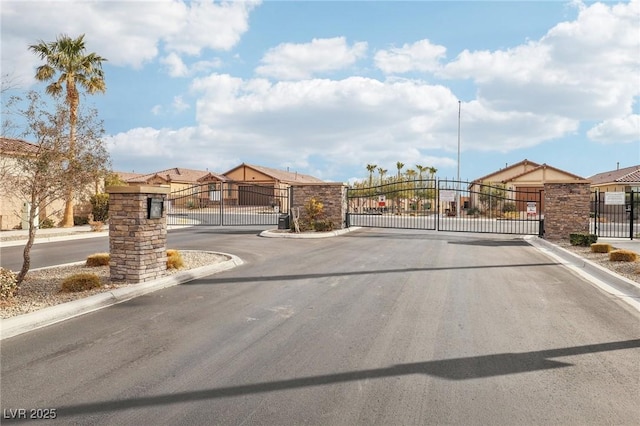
447 205
615 214
228 203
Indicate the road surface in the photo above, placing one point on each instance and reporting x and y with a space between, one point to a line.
375 327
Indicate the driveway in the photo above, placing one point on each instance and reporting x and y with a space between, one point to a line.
374 327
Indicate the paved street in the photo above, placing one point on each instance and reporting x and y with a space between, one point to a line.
374 327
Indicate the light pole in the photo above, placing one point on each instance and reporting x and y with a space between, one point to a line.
458 190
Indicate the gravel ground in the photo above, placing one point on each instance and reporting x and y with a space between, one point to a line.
41 287
630 270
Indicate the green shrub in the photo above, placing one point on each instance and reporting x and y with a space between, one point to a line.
581 239
80 282
80 220
623 256
47 223
509 207
100 207
601 248
324 225
8 284
98 259
174 259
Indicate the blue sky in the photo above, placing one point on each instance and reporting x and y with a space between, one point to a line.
327 87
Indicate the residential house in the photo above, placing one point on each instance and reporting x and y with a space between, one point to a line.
14 206
626 179
524 181
258 185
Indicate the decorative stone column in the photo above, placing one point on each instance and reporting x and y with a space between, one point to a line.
566 209
137 232
331 195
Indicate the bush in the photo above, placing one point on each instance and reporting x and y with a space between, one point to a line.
98 259
323 225
47 223
8 284
100 207
509 207
80 220
623 256
80 282
174 259
584 240
601 248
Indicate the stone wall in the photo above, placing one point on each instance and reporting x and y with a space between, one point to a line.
566 209
331 195
137 244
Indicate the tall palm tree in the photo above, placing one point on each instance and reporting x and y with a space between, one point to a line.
421 170
371 168
382 172
66 57
399 165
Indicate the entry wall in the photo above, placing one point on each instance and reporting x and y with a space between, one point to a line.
567 207
332 195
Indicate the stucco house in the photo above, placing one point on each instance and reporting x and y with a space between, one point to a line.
12 205
526 179
626 179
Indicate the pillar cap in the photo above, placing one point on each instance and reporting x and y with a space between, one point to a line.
139 189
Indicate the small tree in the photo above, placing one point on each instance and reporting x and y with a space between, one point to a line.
43 174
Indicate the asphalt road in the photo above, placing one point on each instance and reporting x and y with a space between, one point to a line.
375 327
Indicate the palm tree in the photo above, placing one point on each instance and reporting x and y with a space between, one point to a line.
67 57
421 170
371 168
382 172
399 165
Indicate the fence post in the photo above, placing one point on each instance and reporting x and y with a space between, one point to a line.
631 214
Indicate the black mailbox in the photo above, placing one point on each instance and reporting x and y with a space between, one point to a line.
283 221
154 208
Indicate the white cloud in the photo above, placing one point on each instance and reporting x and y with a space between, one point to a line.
419 56
175 66
299 61
127 35
179 105
617 130
586 69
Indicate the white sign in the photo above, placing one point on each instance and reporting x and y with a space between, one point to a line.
382 198
614 198
447 196
531 208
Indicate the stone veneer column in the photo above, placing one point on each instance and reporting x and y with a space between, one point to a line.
137 244
566 209
332 195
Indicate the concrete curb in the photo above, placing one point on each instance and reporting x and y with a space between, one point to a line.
605 279
275 234
14 326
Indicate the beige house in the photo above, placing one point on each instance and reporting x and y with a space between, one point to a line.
525 180
13 206
626 179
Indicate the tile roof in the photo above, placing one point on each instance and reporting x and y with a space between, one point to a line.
175 174
282 175
524 162
624 175
17 146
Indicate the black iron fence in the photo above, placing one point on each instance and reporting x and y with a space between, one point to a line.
615 214
447 205
228 203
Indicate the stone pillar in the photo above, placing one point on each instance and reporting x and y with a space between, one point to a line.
332 195
137 243
566 209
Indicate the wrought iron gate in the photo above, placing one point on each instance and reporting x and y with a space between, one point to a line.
228 203
447 205
615 214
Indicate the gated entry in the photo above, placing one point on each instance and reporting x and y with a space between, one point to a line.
447 205
228 203
615 214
